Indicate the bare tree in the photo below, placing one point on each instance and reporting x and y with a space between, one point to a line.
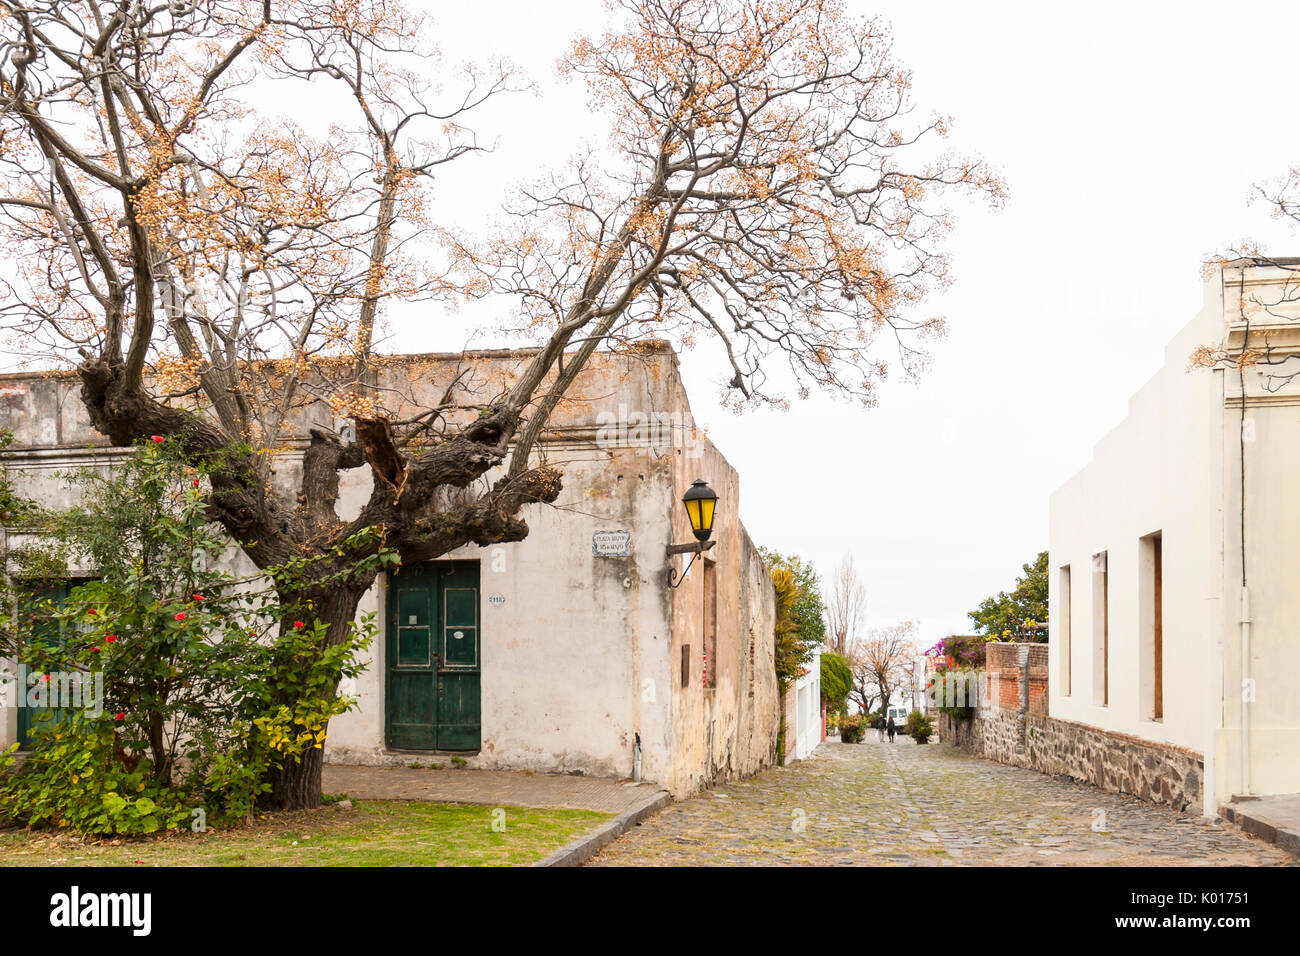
846 609
211 269
881 662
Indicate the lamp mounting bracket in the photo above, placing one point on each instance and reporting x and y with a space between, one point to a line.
695 547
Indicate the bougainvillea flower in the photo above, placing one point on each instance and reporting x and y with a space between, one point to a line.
180 615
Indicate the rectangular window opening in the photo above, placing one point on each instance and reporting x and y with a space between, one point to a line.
1063 629
1100 630
1151 633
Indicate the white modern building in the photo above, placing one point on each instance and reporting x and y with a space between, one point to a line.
804 710
1175 554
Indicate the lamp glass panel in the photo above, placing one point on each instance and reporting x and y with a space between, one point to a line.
693 512
706 515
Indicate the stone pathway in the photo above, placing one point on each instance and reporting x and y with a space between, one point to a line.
873 804
490 787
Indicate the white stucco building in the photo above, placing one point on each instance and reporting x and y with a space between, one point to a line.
1175 554
566 652
804 709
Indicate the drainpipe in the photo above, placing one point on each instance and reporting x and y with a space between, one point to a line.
1247 692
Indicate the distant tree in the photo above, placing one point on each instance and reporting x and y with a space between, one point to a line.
1014 614
846 606
881 662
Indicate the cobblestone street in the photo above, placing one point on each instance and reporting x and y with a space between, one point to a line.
875 804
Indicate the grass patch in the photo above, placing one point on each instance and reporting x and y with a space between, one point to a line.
373 833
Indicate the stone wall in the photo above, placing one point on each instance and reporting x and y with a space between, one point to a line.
1012 726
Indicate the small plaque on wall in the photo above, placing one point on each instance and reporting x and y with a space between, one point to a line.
611 544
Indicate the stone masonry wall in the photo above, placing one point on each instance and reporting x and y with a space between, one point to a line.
1012 726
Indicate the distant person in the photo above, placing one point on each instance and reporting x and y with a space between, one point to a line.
880 728
891 729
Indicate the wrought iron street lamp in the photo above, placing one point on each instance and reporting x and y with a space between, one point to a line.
701 505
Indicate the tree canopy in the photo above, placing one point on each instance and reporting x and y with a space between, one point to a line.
1013 614
213 268
800 626
837 680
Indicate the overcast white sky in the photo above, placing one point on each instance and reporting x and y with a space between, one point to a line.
1130 134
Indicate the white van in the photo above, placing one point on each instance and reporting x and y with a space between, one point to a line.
899 714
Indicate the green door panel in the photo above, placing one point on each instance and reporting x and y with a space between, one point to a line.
458 711
460 626
433 686
49 631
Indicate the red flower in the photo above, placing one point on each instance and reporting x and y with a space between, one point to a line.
299 625
120 715
180 615
252 633
95 649
45 677
197 597
195 482
111 639
158 439
91 611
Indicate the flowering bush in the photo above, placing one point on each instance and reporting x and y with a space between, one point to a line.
204 686
960 656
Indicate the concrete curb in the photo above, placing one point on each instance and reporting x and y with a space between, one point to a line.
584 848
1259 826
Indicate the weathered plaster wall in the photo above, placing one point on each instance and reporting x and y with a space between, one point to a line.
584 652
729 730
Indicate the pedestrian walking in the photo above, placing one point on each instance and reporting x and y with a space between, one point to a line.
880 728
891 729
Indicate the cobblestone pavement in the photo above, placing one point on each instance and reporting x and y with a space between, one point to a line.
490 787
874 804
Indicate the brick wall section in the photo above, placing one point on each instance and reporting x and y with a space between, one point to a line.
1003 669
1037 673
1012 726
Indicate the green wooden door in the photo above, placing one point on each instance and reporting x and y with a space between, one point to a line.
433 700
48 600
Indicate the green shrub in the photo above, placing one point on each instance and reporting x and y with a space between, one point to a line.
203 686
75 780
919 727
836 682
853 728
